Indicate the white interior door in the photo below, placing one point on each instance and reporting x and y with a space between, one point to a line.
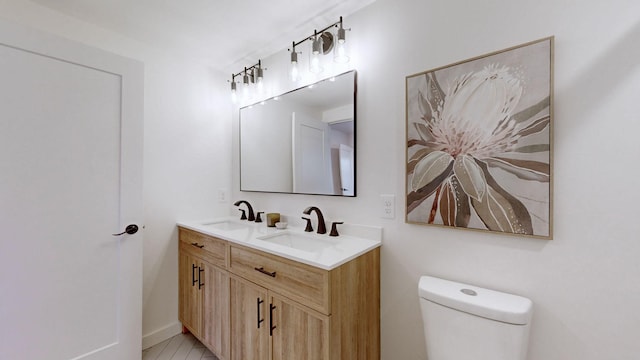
311 155
70 177
346 169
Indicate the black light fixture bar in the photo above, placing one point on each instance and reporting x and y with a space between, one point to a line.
315 34
255 72
255 69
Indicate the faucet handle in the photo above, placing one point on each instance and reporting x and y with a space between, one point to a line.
334 228
244 214
258 218
308 228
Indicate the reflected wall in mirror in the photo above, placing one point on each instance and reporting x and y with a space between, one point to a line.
302 142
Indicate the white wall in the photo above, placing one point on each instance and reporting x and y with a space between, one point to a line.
584 283
187 150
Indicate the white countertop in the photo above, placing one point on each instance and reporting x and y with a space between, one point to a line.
354 240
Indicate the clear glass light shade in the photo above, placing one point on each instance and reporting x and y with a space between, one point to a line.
246 92
259 75
340 53
316 50
294 73
234 96
260 85
314 64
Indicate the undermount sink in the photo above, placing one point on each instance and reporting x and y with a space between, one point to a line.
227 225
297 241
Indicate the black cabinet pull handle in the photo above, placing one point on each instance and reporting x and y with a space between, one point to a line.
271 326
200 271
197 245
262 270
259 302
193 274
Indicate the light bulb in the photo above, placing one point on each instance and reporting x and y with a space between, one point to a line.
340 55
260 85
340 52
260 82
314 62
234 96
245 92
295 73
314 65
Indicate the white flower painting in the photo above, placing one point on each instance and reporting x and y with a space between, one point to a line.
479 143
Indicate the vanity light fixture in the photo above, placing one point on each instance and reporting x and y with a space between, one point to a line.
253 74
322 42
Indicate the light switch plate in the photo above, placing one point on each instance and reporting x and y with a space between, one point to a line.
387 206
223 195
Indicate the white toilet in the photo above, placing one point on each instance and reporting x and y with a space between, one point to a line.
464 322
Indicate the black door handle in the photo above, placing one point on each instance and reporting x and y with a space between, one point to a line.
271 326
193 274
130 229
200 283
259 302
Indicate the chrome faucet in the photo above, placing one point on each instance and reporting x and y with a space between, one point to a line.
322 229
252 216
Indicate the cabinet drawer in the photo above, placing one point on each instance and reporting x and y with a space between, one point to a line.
211 249
300 282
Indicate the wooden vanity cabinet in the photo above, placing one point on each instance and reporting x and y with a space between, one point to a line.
311 313
300 333
215 308
280 309
190 295
264 324
204 290
250 337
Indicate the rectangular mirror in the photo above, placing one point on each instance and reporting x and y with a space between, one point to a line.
302 142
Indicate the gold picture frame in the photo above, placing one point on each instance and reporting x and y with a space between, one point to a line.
479 143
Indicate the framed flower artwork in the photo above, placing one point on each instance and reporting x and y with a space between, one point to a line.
479 142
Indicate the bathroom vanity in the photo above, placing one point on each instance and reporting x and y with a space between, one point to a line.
252 292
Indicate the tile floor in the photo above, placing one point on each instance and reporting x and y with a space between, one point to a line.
179 347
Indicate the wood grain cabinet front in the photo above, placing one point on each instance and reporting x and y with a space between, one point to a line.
303 283
215 310
204 296
243 303
250 337
299 332
311 313
190 299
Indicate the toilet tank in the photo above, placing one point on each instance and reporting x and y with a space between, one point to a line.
465 322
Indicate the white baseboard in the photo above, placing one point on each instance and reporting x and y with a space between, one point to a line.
160 335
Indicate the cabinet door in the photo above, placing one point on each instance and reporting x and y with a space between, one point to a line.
190 295
300 333
249 321
214 285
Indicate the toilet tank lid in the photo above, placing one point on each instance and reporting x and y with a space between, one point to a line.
490 304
